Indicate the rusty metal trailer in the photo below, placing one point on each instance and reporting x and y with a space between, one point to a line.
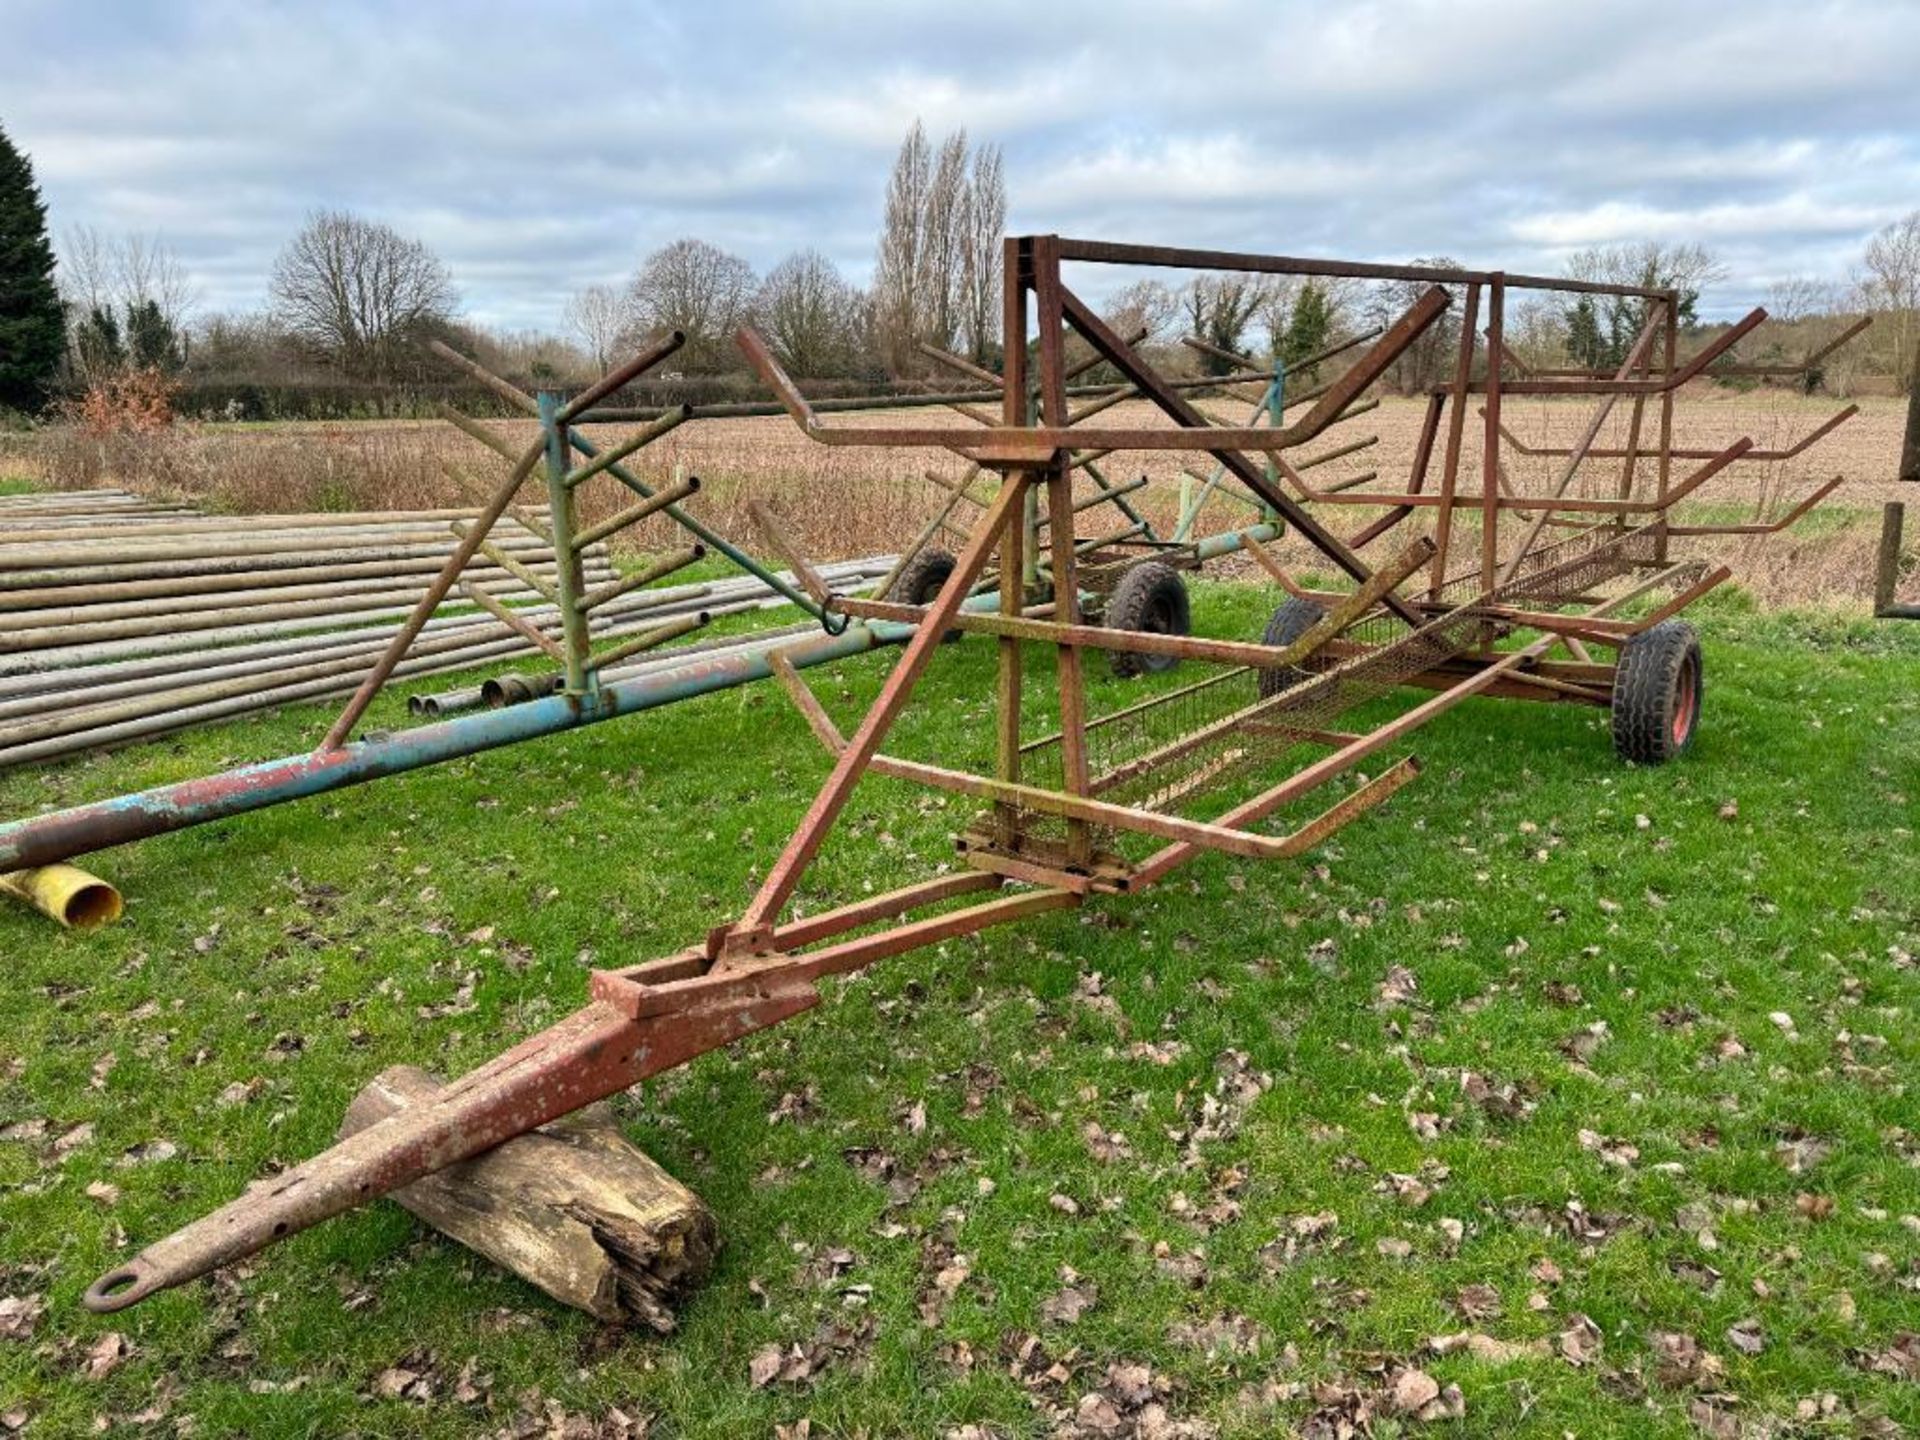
1259 758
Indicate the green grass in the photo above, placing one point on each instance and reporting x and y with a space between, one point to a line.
1514 879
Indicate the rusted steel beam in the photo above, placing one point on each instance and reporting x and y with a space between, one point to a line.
597 1052
519 624
1403 332
1543 503
660 568
1679 452
625 374
1773 527
1456 434
775 534
1106 252
1663 386
1231 839
1032 446
1416 481
754 929
614 454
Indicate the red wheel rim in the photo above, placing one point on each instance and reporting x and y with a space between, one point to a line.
1686 701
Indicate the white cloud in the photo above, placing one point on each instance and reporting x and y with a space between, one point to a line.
541 146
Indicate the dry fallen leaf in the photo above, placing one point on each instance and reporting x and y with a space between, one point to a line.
765 1365
1487 1348
105 1354
1069 1304
1414 1390
1399 987
1581 1341
19 1315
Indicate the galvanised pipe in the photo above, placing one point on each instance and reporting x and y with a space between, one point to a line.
295 558
261 542
459 650
193 522
447 702
245 581
281 657
178 607
84 829
156 665
106 714
31 670
74 632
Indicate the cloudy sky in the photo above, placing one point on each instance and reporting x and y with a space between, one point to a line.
539 148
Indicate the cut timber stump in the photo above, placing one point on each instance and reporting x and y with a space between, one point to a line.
572 1207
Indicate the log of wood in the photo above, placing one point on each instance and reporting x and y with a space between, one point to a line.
572 1207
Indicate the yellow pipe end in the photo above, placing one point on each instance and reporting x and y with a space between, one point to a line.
67 894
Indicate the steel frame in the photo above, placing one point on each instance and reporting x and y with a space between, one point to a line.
1413 619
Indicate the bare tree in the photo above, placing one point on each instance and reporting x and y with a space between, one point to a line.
123 272
902 264
938 274
1218 309
1890 284
810 315
700 289
983 223
1685 269
128 300
941 256
1429 360
1801 297
357 291
1147 305
599 316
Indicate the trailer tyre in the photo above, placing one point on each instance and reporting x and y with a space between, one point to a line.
1290 621
1151 598
1657 691
922 580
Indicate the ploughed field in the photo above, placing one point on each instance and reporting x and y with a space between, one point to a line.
845 502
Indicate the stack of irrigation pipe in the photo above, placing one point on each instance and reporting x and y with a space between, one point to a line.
148 670
85 509
121 619
186 619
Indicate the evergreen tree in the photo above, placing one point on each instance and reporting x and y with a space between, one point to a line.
153 343
97 344
1585 343
1308 326
32 325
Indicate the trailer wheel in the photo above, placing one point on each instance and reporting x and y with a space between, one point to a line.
1657 691
920 581
1290 621
1151 598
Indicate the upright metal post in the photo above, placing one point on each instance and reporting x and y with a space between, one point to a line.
1276 417
1019 546
581 675
1910 447
1058 478
1457 398
1669 362
1490 450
